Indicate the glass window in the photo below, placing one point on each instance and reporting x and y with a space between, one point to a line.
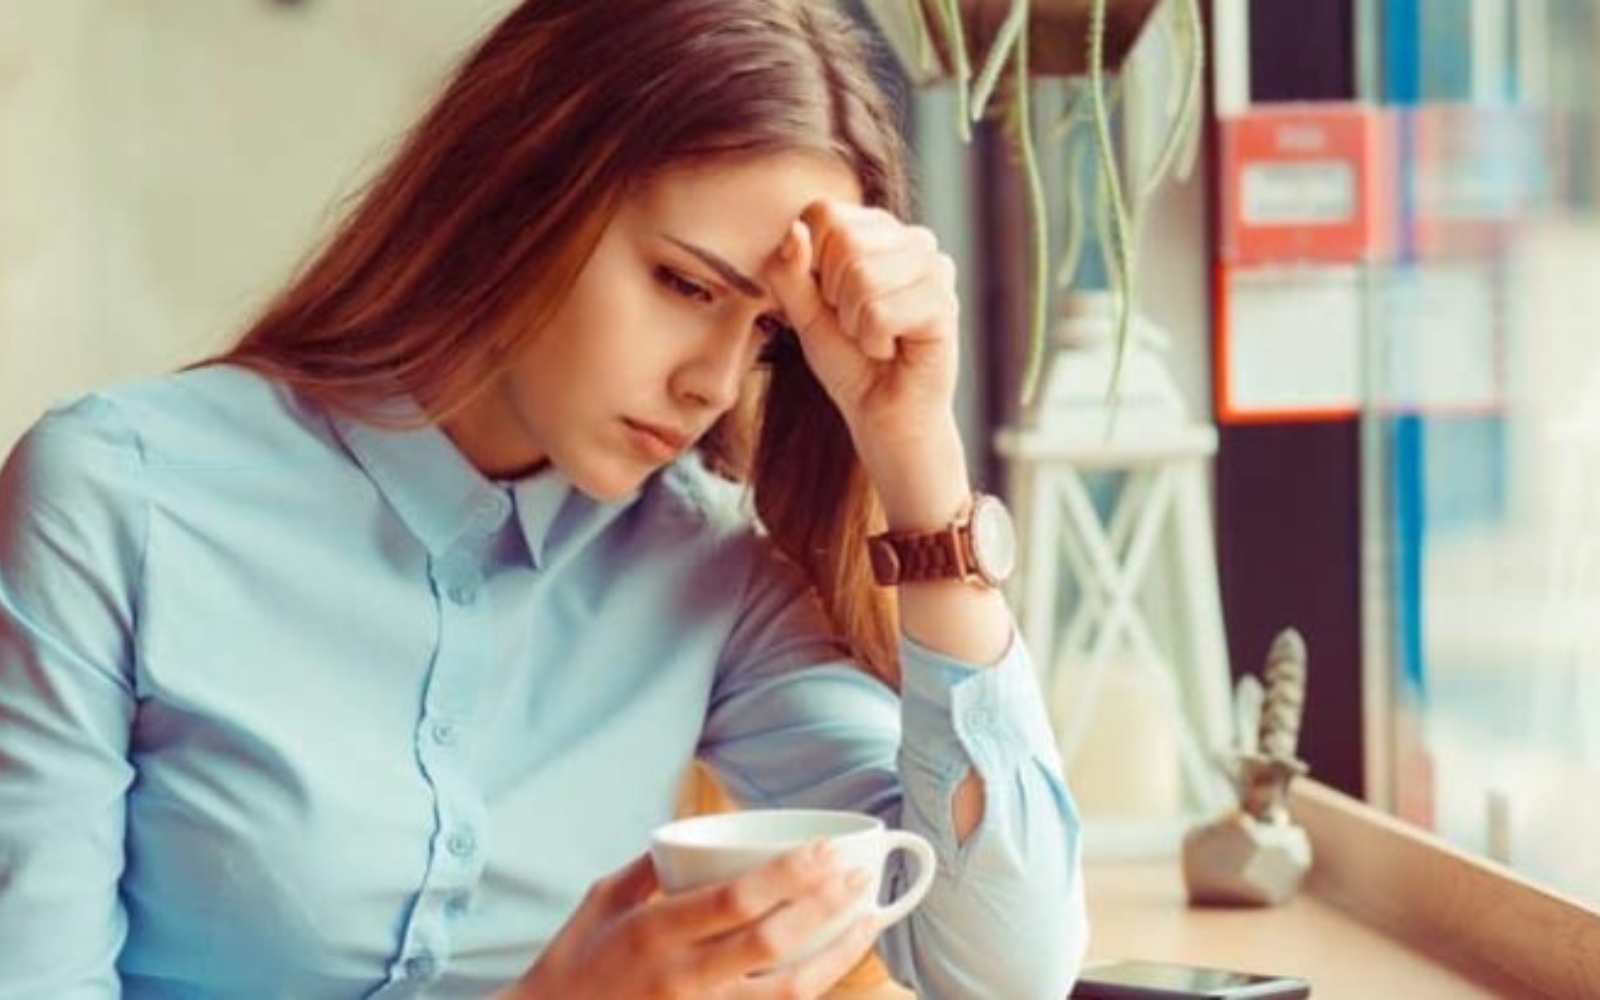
1481 436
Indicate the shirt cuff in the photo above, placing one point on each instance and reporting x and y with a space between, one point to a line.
957 715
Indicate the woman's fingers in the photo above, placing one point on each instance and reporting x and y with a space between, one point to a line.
632 883
868 279
712 911
910 302
829 353
783 931
844 233
618 892
609 904
883 279
794 284
873 301
817 974
707 942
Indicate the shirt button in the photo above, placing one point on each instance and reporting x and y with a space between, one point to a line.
979 719
457 904
421 966
464 593
445 733
492 508
462 843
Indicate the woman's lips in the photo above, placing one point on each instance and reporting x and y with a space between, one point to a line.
659 444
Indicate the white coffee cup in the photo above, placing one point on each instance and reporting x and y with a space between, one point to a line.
704 850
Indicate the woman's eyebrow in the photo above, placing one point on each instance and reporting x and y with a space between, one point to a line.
727 272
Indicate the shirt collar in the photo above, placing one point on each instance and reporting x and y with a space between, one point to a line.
440 496
540 499
420 473
556 516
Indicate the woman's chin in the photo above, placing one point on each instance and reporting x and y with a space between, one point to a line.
609 484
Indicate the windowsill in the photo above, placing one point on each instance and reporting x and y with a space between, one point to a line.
1387 911
1138 910
1466 913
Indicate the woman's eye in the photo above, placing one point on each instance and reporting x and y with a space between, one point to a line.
682 286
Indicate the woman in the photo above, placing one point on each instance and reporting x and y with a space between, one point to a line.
361 660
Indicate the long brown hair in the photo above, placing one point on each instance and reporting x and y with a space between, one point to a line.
500 193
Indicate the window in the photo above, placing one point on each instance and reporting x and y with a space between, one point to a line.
1481 435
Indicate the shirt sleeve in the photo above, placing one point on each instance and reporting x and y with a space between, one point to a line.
793 723
70 550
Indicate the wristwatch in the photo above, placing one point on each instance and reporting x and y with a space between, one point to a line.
979 547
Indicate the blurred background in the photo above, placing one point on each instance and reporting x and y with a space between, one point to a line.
1365 309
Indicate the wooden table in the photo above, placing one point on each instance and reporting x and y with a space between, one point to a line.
1138 910
1387 911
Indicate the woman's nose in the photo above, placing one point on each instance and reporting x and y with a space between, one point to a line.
713 377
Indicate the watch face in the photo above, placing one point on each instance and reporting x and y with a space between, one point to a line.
994 541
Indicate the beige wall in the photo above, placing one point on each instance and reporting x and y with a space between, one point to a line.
165 163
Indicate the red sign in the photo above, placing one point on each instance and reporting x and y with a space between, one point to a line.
1307 183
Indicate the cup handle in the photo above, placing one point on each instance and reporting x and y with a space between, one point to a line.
927 866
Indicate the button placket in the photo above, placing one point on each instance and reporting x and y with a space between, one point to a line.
421 966
457 576
453 689
491 510
462 843
444 733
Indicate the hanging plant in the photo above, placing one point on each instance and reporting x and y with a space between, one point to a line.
1052 37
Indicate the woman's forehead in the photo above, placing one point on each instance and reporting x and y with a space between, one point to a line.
747 183
739 210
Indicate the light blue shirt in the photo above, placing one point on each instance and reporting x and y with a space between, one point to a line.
294 706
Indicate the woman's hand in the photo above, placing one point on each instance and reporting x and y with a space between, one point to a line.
626 942
873 303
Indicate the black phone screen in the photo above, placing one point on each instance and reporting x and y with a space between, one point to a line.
1165 981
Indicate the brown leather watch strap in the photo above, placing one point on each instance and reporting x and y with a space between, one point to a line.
913 556
978 547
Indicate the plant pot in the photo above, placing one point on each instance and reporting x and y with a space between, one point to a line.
1058 32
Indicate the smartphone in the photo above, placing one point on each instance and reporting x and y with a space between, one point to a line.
1134 980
